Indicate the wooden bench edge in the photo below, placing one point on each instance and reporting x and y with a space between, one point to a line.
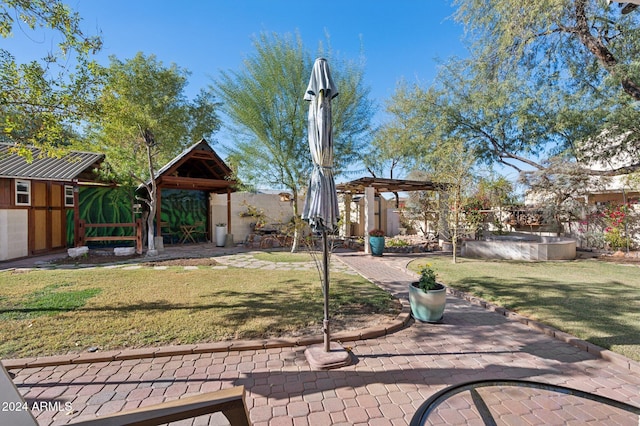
231 402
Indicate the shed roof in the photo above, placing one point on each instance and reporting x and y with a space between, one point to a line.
66 168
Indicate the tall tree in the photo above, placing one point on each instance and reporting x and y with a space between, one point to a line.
393 150
264 102
432 147
397 145
41 100
573 61
146 120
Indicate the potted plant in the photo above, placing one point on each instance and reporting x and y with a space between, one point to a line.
376 242
427 297
221 234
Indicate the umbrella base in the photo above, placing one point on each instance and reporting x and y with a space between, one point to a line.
336 357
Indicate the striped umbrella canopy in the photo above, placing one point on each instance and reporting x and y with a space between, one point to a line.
321 205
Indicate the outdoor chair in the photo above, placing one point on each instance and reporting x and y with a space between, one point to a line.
172 235
200 231
231 402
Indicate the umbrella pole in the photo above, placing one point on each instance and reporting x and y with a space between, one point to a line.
325 270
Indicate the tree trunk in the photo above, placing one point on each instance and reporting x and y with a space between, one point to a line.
296 223
456 224
443 217
151 243
152 190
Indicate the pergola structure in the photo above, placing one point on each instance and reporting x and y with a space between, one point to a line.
370 186
196 168
387 185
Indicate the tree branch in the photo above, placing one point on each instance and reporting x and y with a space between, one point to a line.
600 51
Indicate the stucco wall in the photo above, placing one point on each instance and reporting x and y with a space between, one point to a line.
546 249
14 233
276 211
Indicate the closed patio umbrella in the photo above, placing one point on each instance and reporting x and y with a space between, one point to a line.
321 205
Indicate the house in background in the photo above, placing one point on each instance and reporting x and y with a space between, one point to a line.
618 189
36 196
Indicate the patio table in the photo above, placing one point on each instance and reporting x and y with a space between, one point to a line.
486 401
189 231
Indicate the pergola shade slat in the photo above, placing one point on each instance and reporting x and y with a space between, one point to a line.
388 185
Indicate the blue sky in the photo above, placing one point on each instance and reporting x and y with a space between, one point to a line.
400 39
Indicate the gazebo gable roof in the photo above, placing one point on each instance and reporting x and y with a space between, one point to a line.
197 167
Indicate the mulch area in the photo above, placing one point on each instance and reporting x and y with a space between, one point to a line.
183 262
631 258
94 258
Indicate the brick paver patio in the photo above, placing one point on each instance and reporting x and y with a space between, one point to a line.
389 379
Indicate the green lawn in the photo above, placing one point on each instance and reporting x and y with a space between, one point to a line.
596 301
55 312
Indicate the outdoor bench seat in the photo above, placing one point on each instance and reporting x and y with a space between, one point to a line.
231 402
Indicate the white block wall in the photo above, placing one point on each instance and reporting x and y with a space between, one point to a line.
14 233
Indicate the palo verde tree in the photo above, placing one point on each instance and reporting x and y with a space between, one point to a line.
145 120
396 145
268 115
564 188
42 99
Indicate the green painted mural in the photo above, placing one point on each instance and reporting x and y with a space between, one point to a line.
115 205
99 204
179 208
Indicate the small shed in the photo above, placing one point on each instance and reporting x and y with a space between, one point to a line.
36 196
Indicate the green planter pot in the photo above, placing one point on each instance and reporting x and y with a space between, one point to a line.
427 306
377 245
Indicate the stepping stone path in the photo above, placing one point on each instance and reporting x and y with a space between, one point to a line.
241 260
247 260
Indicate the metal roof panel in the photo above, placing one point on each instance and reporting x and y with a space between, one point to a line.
67 167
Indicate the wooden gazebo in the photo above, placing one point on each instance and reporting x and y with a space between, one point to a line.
196 168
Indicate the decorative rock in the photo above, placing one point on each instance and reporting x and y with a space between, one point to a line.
124 251
78 251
